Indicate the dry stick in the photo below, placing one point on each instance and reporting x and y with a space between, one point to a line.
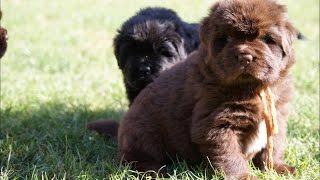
269 113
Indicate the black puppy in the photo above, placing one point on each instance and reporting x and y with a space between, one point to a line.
149 42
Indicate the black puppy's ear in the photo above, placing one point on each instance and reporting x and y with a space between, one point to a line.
179 47
168 29
117 43
116 46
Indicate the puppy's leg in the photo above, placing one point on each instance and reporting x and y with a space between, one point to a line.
279 165
143 162
218 142
278 149
279 141
224 152
144 150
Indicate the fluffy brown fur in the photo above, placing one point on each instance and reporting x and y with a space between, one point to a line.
208 107
3 39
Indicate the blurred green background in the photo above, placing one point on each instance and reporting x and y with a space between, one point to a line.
60 72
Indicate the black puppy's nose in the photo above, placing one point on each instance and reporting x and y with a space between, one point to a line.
245 58
145 70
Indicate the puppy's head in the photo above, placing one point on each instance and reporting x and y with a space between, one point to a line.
143 52
248 40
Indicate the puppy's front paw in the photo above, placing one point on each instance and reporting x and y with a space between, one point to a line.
246 176
284 169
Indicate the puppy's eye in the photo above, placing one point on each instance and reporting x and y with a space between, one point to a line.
268 39
221 41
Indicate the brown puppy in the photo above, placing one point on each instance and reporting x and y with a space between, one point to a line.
208 107
3 39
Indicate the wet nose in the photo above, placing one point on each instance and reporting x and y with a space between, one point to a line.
145 70
245 58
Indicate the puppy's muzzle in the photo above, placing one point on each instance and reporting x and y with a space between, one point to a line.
145 70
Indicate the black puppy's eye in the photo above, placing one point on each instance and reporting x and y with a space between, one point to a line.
268 39
221 41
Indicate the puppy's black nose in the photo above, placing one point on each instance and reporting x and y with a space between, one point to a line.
245 58
145 70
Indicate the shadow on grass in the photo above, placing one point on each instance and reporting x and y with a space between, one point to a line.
52 140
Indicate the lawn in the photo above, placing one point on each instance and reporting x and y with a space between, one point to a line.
60 73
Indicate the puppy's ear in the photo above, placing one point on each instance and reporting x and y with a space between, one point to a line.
118 42
169 29
290 34
116 46
204 32
180 48
171 32
207 27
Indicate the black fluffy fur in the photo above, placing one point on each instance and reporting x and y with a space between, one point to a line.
149 42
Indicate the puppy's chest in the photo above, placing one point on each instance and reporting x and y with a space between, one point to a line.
255 141
253 136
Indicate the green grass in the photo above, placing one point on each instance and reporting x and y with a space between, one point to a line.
60 72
